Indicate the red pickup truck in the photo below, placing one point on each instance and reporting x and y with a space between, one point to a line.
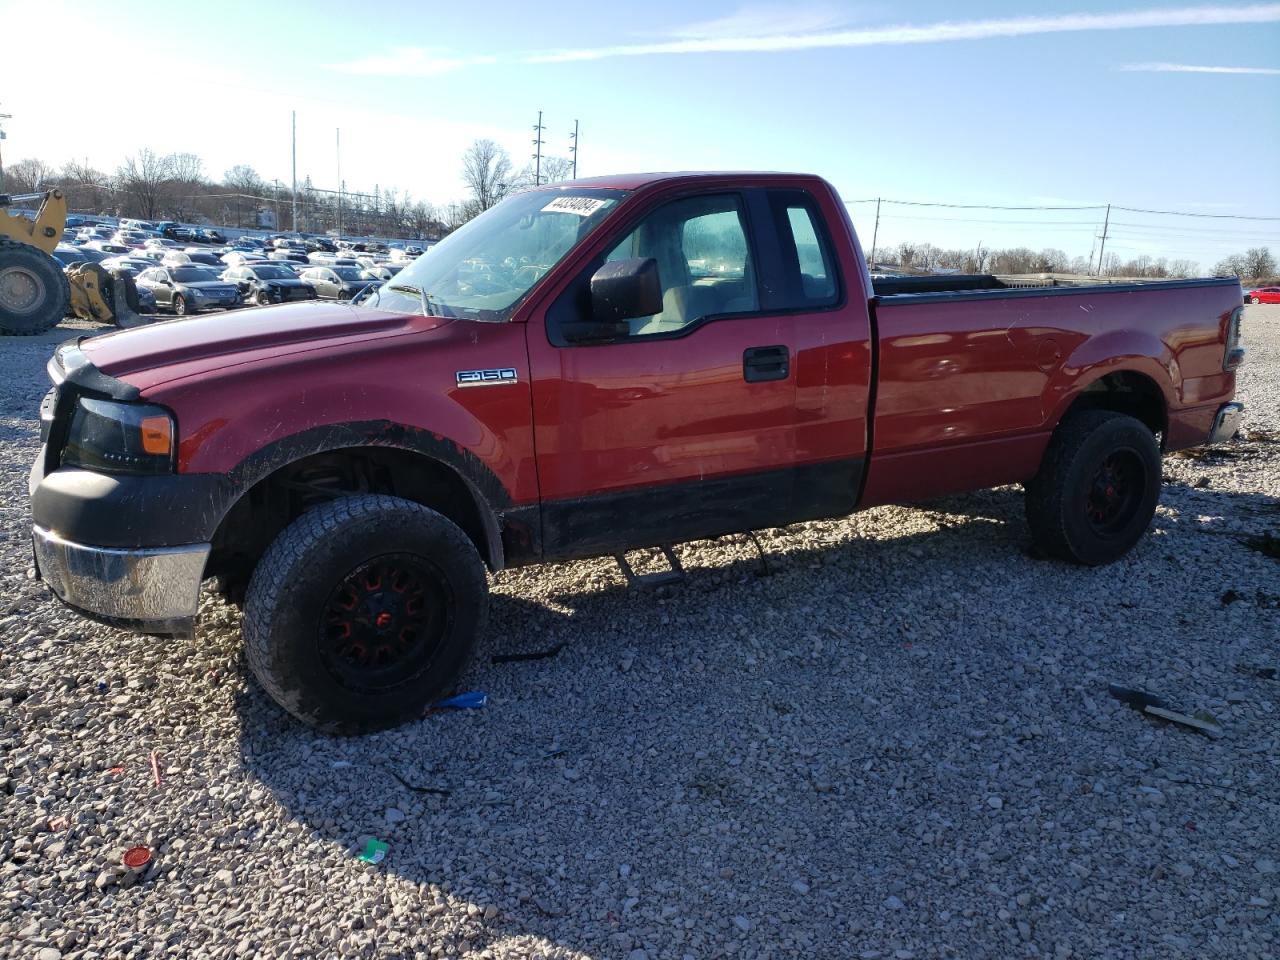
585 369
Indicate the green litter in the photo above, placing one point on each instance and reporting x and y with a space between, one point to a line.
374 852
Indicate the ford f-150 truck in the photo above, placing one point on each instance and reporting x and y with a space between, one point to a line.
586 369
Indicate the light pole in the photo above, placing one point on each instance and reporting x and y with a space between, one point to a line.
537 155
3 116
295 171
573 149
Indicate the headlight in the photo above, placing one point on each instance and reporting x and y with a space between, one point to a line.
120 438
196 293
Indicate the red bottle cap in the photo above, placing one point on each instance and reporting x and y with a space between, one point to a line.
135 858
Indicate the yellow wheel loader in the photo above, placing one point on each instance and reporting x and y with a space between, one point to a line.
35 291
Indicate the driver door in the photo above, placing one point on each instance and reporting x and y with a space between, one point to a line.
684 427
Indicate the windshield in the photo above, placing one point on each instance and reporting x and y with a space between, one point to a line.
484 270
193 275
273 273
348 273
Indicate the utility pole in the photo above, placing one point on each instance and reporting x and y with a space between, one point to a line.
295 171
1101 250
276 182
573 149
341 185
875 235
3 116
537 155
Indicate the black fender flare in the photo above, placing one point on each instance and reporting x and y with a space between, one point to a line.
491 498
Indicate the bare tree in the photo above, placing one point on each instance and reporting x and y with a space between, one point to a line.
244 181
1259 263
187 184
555 169
87 188
486 170
28 176
1183 268
143 180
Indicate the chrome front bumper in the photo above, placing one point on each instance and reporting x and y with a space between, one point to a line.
149 589
1226 422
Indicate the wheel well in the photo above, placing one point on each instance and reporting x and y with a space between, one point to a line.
275 501
1129 392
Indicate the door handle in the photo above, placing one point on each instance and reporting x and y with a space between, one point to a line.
766 363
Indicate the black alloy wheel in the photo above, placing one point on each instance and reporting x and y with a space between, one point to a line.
384 622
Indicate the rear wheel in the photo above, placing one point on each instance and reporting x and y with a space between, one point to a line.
363 611
1097 488
34 293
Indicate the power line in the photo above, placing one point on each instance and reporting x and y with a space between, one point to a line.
1100 206
978 206
1183 213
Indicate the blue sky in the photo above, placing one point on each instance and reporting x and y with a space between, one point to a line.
1064 104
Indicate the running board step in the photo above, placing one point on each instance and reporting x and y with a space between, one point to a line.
651 581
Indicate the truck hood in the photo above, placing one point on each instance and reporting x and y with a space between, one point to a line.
221 339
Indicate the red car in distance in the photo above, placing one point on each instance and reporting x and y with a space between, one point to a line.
1263 295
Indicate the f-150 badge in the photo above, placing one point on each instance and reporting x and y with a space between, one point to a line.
487 378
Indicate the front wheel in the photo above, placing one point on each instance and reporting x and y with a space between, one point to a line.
1254 300
180 305
363 611
261 298
1097 488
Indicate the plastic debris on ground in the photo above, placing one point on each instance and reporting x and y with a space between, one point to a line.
472 700
135 858
374 852
1154 706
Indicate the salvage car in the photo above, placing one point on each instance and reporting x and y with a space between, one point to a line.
337 282
267 283
188 288
585 369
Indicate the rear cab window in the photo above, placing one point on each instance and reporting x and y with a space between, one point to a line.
809 274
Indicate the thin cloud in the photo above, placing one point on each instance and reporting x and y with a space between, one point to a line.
763 21
948 31
408 62
765 30
1196 68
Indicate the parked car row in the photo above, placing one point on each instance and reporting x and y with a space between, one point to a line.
209 272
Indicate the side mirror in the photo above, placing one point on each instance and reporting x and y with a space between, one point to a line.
625 289
620 291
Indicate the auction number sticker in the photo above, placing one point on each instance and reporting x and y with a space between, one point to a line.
582 206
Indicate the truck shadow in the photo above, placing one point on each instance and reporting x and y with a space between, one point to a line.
644 721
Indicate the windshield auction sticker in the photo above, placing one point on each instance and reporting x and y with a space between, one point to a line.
582 206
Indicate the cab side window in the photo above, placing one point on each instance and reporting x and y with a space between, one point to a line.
704 262
808 267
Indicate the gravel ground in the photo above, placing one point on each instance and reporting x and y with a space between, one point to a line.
896 741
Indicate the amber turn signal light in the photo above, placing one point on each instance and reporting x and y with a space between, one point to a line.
157 435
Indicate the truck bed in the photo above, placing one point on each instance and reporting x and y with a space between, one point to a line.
973 374
982 285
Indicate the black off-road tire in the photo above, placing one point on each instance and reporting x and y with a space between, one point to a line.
288 612
45 292
1075 510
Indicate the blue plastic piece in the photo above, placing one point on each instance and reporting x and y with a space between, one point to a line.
473 700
